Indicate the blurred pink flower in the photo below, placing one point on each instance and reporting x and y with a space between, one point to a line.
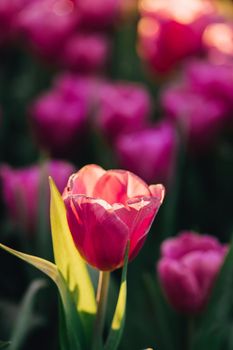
149 153
8 14
170 31
46 24
22 187
59 116
98 14
200 118
105 210
188 268
85 52
212 80
123 107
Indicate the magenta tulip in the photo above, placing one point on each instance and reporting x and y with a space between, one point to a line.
9 11
212 80
85 52
158 147
59 117
199 117
98 14
105 210
46 25
188 268
123 107
21 190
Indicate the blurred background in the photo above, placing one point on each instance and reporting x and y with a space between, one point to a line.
142 85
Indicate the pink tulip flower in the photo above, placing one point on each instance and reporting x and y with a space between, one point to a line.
212 80
46 25
9 11
21 190
123 107
105 210
59 116
200 118
188 268
156 147
85 52
98 14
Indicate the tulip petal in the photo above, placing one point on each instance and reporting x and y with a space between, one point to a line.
84 181
205 267
138 215
116 186
157 191
98 233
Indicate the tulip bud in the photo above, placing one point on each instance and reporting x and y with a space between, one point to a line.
21 190
108 209
158 146
188 268
123 107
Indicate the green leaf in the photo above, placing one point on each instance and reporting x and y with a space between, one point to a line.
75 333
68 260
216 320
26 319
118 320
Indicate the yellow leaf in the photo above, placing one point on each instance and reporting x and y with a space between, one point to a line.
68 260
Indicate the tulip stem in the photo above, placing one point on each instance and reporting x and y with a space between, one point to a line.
101 298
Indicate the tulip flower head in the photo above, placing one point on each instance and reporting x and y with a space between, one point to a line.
108 209
59 118
123 108
159 144
85 52
188 269
200 118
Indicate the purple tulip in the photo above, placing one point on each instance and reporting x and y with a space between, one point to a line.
212 80
98 14
188 268
200 118
9 11
85 52
123 107
149 153
60 116
22 187
46 24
